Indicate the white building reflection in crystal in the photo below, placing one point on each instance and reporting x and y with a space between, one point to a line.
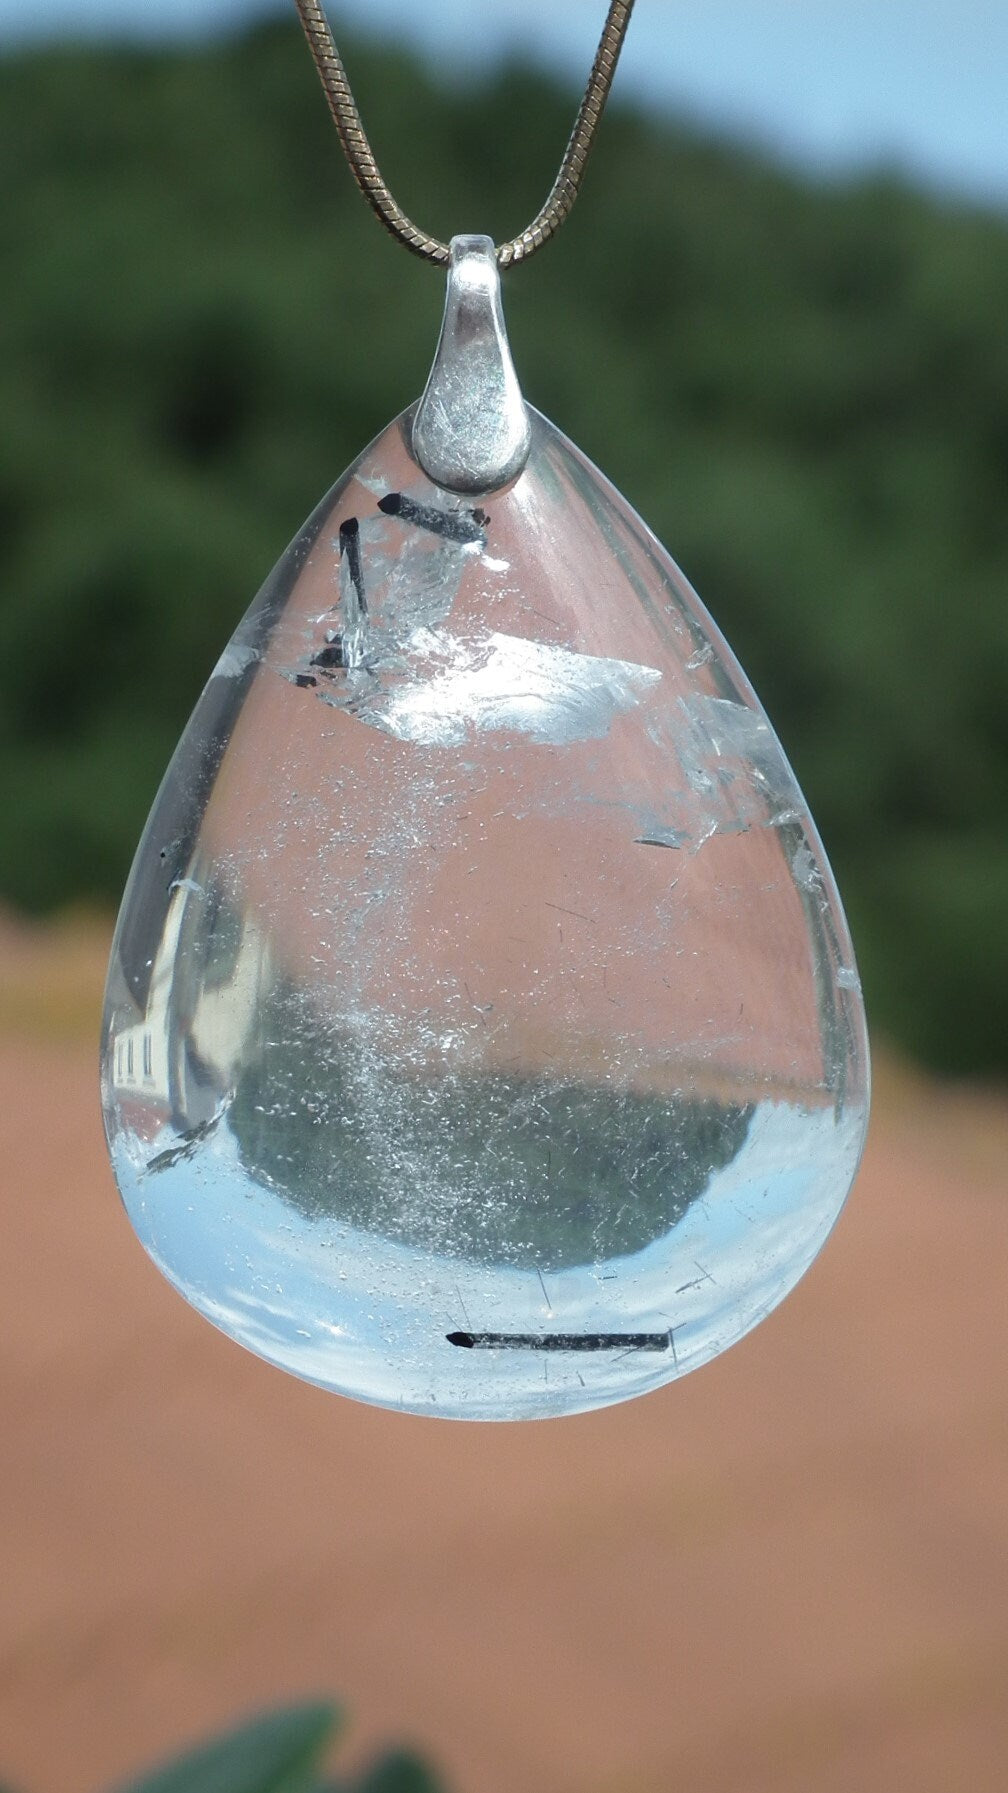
208 981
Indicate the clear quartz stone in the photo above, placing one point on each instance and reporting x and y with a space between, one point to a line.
482 1033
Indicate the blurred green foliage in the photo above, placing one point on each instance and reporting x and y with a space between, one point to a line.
804 390
277 1752
284 1752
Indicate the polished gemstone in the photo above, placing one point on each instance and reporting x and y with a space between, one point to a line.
482 1034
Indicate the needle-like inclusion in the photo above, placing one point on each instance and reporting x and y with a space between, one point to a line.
482 1033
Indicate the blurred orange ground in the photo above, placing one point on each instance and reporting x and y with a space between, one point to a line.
788 1572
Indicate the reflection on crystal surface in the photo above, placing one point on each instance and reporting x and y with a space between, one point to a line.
482 1033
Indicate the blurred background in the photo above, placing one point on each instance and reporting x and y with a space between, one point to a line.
778 320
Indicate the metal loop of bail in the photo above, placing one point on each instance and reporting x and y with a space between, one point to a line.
471 430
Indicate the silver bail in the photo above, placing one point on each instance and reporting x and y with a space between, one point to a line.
471 429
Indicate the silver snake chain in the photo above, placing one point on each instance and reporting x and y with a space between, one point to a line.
365 169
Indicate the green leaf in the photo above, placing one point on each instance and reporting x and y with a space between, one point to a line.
399 1771
276 1754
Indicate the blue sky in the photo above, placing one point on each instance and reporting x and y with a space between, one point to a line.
919 84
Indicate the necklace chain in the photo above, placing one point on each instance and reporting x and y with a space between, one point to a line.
365 169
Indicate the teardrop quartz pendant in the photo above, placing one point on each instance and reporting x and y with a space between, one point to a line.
482 1033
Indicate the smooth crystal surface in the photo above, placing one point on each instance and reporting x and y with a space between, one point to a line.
482 1033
